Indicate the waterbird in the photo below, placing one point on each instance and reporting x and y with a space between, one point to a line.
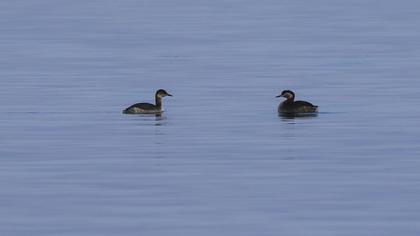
290 106
148 108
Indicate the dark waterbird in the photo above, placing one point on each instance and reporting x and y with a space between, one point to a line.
292 107
148 108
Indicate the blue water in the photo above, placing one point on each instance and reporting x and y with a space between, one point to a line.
220 161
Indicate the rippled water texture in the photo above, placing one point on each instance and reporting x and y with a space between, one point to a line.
220 161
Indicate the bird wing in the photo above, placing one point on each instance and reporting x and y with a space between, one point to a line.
147 106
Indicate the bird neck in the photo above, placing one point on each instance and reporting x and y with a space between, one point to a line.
158 102
290 100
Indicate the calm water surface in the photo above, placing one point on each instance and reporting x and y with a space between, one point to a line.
220 161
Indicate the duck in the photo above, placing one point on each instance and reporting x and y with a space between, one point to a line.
148 108
291 106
